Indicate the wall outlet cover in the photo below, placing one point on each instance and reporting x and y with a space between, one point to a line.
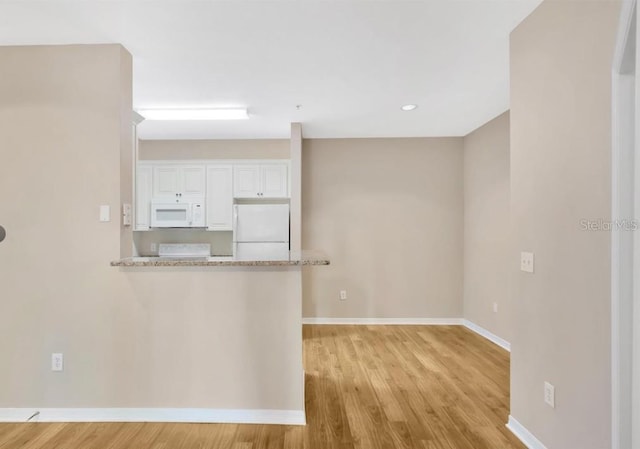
57 361
550 394
526 262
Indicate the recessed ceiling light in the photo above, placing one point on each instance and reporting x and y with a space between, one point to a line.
194 114
409 107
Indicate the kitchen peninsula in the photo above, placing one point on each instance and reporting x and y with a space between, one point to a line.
228 326
301 258
221 334
146 343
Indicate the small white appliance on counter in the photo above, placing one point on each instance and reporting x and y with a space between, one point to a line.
261 231
182 213
184 250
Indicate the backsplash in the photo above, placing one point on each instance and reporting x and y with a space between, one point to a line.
221 241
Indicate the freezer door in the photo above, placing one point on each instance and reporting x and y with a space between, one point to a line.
261 251
261 223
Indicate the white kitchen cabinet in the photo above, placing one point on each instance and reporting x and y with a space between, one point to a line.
179 181
217 181
219 197
165 181
193 180
261 181
246 181
274 181
143 198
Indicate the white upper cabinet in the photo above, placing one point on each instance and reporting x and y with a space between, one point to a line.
177 181
246 181
193 181
274 181
220 197
217 181
143 198
165 181
269 180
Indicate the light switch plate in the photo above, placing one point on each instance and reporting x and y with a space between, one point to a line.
526 262
105 213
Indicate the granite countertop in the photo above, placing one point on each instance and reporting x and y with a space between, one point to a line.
295 258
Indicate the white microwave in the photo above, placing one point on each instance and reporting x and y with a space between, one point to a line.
182 213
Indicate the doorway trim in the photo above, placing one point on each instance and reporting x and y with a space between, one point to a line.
625 252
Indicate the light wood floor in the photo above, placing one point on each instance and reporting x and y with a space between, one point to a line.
428 387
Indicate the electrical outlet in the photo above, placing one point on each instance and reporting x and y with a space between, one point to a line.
154 247
343 295
526 262
57 361
495 307
550 394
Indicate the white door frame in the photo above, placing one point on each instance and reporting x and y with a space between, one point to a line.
625 250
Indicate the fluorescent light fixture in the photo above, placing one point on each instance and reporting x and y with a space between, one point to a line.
406 107
194 114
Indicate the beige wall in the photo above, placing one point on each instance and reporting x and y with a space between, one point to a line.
561 59
388 212
295 154
209 338
486 227
214 149
126 147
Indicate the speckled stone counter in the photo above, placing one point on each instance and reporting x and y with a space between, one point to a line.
295 259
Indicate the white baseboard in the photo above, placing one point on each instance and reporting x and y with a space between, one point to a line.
523 434
504 344
190 415
383 321
415 321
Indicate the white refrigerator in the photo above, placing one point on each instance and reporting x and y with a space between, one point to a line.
261 231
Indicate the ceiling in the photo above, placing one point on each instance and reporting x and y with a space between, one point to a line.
350 64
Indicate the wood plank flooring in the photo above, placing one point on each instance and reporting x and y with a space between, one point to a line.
367 387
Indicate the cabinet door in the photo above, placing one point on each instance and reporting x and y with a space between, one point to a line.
166 181
143 198
192 181
274 181
219 197
246 181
